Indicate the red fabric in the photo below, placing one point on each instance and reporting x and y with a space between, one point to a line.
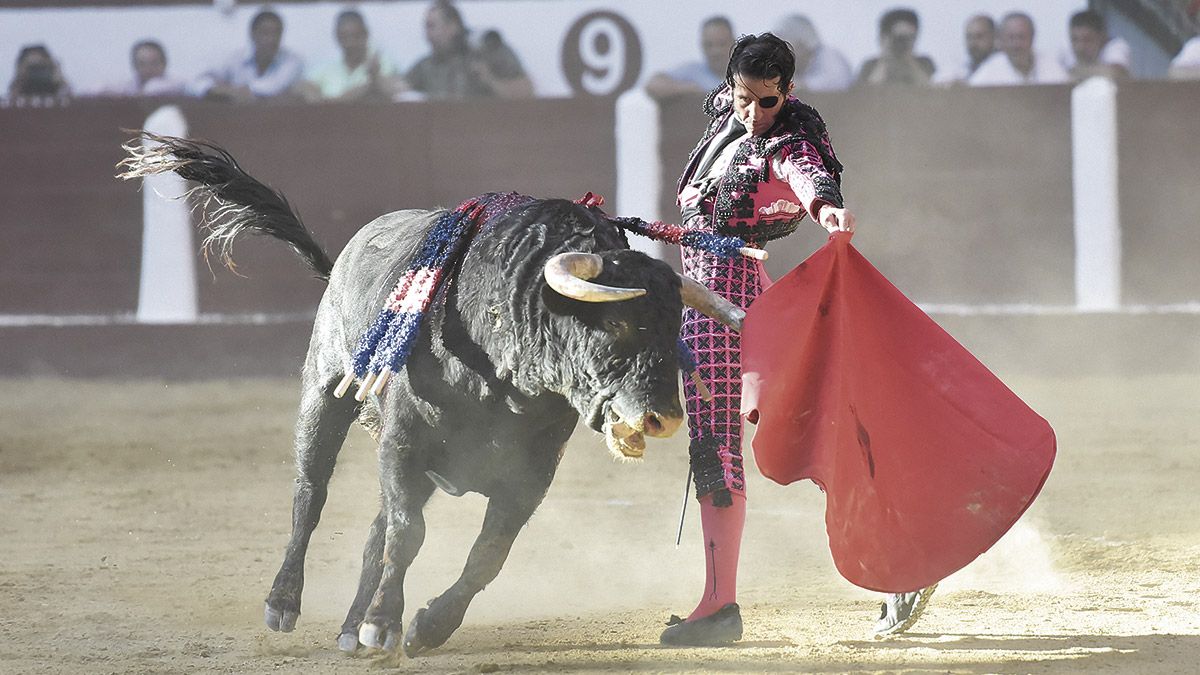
926 457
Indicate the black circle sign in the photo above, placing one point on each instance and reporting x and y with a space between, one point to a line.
601 54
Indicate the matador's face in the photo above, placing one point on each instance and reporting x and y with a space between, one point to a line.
756 103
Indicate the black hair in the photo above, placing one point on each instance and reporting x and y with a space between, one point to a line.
894 16
762 57
722 21
1019 15
30 50
1089 18
350 15
151 44
266 15
987 20
451 14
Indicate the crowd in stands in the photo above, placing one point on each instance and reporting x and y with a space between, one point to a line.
997 53
454 68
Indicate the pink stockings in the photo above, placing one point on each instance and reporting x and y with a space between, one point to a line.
722 543
715 426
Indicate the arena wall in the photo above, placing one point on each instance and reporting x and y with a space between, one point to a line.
1159 147
964 198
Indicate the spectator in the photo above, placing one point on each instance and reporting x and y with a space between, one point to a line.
362 71
37 75
697 78
819 67
1016 62
1093 52
149 61
979 35
1186 64
896 63
456 69
265 70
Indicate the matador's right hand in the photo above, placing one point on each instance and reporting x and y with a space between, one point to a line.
836 219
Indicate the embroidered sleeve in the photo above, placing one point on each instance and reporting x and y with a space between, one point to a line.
800 166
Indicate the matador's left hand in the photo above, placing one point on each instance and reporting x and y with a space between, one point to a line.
835 219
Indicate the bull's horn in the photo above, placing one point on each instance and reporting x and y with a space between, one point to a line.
710 304
568 273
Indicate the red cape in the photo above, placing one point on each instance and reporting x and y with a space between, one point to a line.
926 458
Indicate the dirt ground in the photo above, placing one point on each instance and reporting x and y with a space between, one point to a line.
142 523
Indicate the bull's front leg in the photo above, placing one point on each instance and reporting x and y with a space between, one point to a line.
406 489
505 517
320 430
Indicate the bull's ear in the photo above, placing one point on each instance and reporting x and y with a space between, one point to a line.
569 274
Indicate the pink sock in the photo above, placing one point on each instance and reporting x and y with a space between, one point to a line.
722 543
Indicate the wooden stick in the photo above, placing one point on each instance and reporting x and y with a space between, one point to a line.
365 387
700 387
383 380
344 385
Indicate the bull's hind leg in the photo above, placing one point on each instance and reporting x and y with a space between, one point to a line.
368 582
431 627
406 489
320 430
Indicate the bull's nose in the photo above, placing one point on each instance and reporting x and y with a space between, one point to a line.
660 426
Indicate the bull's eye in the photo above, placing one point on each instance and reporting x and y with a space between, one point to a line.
616 326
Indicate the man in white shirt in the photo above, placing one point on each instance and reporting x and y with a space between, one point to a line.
1016 62
1093 52
265 70
819 67
979 36
697 78
361 72
149 61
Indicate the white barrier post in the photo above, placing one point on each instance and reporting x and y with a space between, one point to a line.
1097 209
167 290
639 166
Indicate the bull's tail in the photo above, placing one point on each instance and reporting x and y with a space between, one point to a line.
231 200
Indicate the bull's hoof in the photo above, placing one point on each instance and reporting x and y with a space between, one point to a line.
373 635
412 640
348 642
280 619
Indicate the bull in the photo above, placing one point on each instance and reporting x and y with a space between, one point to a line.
550 317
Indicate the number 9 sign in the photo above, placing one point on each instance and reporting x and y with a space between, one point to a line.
601 54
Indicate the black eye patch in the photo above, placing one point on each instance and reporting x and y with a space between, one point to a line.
768 102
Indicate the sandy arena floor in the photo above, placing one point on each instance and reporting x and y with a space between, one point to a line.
143 522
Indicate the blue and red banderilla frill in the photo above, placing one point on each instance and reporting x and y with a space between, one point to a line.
386 344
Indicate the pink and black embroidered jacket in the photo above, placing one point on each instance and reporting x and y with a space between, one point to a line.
793 161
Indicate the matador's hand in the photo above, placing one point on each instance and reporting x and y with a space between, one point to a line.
835 219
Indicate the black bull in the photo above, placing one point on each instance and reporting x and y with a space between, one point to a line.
502 369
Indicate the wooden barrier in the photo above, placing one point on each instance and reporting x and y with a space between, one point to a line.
1159 172
70 234
964 198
